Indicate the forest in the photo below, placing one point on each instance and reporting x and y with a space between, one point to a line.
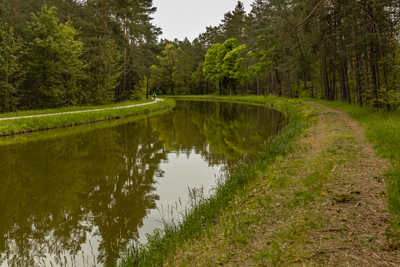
57 53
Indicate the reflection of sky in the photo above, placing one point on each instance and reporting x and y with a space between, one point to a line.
86 247
179 169
180 173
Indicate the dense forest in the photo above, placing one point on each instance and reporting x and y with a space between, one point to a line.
59 53
72 52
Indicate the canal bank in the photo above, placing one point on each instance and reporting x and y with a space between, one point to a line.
315 196
45 120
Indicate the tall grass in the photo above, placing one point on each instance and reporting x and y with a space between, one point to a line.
23 125
203 212
383 131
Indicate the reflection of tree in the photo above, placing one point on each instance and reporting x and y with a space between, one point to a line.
217 130
52 192
238 130
123 195
183 130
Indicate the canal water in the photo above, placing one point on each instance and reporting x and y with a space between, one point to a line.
83 193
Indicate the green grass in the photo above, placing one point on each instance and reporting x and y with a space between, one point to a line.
69 109
64 132
383 131
23 125
203 212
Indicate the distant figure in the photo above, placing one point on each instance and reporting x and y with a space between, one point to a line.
154 96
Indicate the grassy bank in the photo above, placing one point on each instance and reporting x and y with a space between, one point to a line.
23 125
383 131
203 214
69 109
65 132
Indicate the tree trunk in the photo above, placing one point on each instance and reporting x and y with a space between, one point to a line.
147 86
346 81
358 81
289 85
278 80
7 104
325 73
312 86
258 87
334 82
374 76
187 79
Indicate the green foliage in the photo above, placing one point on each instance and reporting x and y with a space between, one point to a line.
198 79
225 64
234 65
165 74
264 61
54 59
210 69
105 72
11 73
64 66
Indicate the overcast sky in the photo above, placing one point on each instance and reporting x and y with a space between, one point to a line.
189 18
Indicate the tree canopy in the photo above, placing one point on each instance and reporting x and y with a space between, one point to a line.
101 51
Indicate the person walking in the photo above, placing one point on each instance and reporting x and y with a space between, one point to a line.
154 96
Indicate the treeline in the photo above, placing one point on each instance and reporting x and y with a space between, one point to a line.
331 49
74 52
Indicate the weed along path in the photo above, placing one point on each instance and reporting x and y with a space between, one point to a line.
322 205
80 111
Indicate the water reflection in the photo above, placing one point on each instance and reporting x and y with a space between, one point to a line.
58 193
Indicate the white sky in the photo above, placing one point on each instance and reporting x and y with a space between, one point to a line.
189 18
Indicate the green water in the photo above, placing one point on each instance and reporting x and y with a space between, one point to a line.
93 189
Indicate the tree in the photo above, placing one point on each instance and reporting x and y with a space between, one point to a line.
233 23
11 73
105 74
224 64
165 73
53 60
210 68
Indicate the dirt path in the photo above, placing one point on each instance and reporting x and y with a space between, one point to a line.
80 111
323 205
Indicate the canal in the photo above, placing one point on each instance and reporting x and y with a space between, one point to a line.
89 191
